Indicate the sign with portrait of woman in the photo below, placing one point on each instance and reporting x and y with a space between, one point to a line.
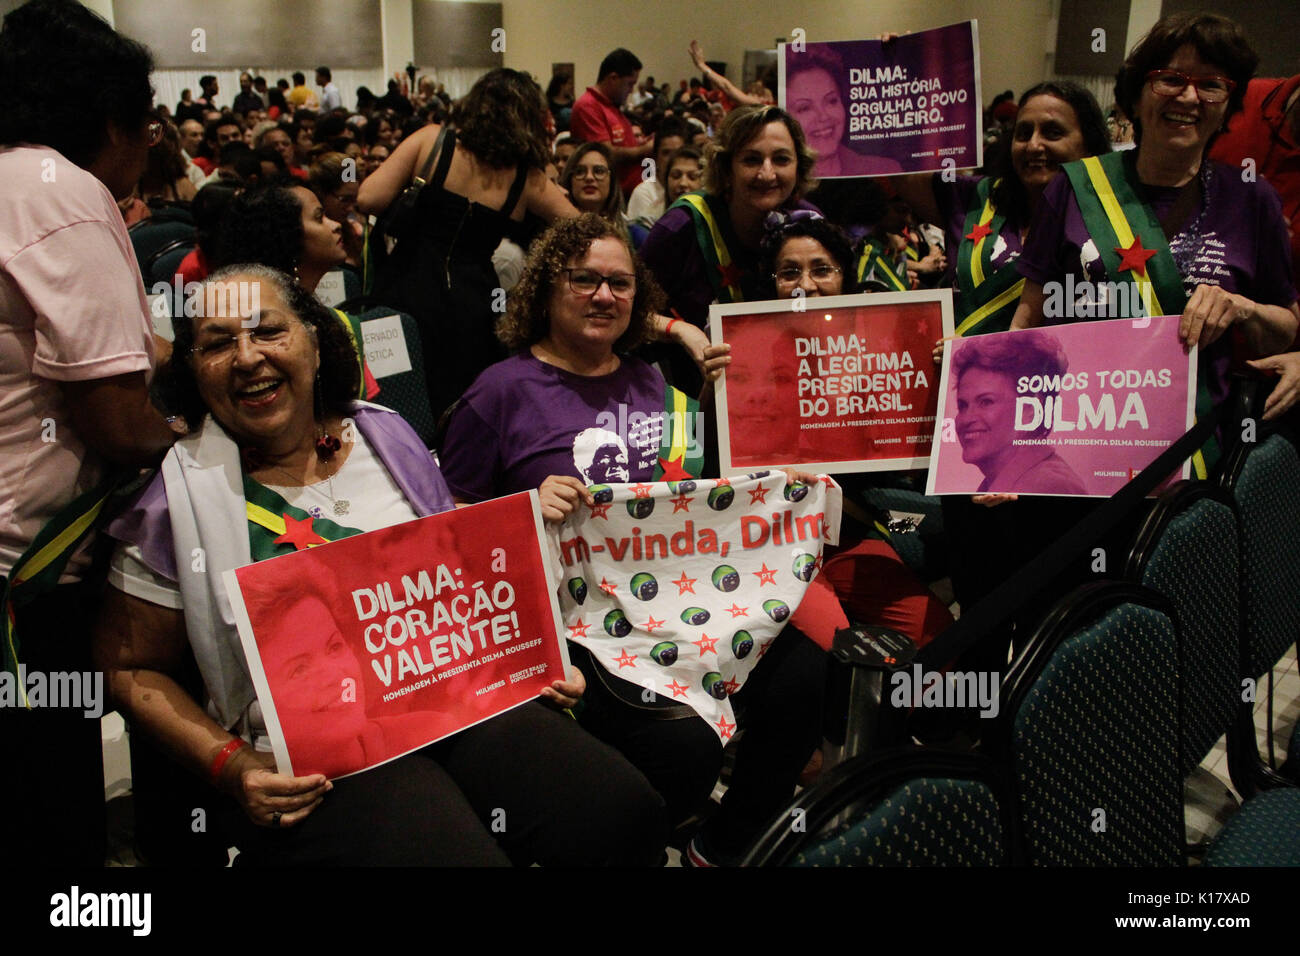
870 108
366 648
831 384
1074 409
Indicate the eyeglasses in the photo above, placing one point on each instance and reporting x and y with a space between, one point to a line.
595 172
222 351
1210 89
819 273
622 285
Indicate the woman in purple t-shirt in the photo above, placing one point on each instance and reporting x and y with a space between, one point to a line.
572 409
1229 238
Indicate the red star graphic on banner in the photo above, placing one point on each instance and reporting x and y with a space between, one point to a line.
673 470
685 584
730 274
732 686
651 624
1134 258
680 503
763 649
722 483
580 629
679 690
724 728
817 564
828 481
737 611
758 496
607 587
766 575
826 529
979 232
642 491
625 659
299 534
600 511
706 644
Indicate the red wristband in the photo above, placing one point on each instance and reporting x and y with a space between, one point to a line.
215 772
668 330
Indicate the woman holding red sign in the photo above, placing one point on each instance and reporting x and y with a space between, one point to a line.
280 458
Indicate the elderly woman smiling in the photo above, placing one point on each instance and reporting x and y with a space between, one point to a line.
266 388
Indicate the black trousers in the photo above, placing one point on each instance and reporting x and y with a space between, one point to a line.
528 786
780 711
53 798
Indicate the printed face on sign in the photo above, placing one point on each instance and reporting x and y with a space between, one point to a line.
814 99
310 669
772 429
600 457
986 409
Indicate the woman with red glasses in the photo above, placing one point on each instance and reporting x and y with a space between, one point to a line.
1187 235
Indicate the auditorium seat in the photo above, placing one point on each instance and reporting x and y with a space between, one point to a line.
901 807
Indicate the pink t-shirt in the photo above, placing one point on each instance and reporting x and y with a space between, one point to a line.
72 308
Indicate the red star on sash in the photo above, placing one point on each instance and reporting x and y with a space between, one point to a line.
979 232
642 491
673 468
651 624
625 659
679 690
580 629
758 496
724 728
680 503
730 275
732 686
609 588
685 584
299 534
766 575
600 511
1134 258
737 611
706 643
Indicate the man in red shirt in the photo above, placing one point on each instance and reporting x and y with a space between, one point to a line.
1267 130
597 118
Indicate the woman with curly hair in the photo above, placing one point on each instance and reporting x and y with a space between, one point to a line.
481 173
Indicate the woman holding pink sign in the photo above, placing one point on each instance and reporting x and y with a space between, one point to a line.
1161 229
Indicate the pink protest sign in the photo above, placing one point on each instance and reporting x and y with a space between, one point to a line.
1062 410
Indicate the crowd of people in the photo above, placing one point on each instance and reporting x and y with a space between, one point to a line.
558 254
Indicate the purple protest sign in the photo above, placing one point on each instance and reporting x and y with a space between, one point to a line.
875 109
1061 410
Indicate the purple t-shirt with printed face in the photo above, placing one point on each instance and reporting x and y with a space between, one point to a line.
523 420
1237 239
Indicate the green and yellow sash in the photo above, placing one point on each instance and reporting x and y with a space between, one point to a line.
873 264
681 453
353 327
1133 247
986 297
38 569
724 274
276 527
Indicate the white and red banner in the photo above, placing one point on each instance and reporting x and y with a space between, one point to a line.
680 587
838 384
367 648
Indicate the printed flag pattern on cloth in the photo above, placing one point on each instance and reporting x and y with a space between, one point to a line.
680 587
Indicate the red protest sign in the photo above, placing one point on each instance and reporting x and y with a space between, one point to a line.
367 648
836 384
